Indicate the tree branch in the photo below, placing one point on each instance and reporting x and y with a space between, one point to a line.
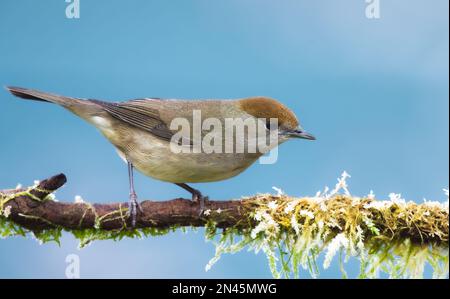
394 236
31 209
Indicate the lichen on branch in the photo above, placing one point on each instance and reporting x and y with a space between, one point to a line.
392 236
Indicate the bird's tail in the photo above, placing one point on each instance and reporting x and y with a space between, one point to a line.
31 94
83 108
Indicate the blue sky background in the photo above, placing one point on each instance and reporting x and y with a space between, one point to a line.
374 92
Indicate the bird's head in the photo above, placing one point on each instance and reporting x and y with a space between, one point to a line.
267 108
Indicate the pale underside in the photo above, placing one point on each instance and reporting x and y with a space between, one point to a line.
152 155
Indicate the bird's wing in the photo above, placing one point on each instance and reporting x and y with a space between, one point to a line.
136 113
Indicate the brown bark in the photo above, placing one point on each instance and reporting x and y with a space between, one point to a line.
32 211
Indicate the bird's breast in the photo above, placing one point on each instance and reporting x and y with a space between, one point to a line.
155 158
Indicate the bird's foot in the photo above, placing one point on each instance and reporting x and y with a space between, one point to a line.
134 208
198 197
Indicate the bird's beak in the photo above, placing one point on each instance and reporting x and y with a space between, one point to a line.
300 134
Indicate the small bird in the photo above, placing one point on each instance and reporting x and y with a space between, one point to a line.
141 131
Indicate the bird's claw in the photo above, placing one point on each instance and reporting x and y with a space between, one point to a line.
201 200
134 207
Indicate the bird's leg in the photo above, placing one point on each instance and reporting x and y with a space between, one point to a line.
196 195
134 205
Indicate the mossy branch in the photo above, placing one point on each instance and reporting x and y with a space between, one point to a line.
33 209
291 231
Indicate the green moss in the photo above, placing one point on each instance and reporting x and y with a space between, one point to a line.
85 236
10 229
294 233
